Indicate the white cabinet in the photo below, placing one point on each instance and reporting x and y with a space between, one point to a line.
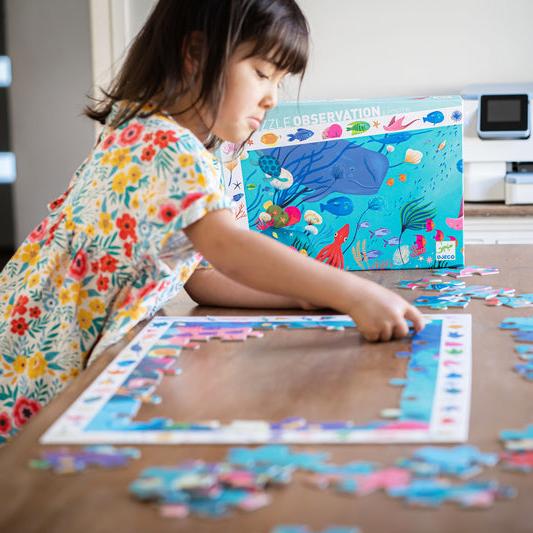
498 230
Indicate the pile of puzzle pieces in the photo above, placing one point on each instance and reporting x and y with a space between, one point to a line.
64 461
519 449
456 294
241 482
522 333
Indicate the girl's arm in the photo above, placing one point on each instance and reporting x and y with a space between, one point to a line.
207 286
265 265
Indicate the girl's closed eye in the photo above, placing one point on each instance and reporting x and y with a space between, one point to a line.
261 74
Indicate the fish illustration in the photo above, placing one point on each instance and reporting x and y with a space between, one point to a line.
402 178
390 182
332 253
332 132
439 236
269 138
301 134
380 232
360 126
435 117
364 224
441 146
339 206
393 241
397 124
237 197
251 186
430 225
371 254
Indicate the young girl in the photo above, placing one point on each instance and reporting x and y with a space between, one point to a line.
147 205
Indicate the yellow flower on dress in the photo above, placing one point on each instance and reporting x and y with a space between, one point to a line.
74 371
119 183
185 160
85 318
33 281
90 231
19 364
97 306
37 365
31 253
134 174
135 204
120 157
59 280
105 223
7 312
106 159
64 296
151 210
69 225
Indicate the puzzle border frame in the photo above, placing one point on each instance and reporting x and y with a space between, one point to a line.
70 427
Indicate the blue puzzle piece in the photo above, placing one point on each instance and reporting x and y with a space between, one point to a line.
462 461
276 455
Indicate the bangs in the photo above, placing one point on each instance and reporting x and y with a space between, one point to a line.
284 43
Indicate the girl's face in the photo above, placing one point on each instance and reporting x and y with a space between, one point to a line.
251 90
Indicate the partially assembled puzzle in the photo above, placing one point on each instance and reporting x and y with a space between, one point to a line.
434 402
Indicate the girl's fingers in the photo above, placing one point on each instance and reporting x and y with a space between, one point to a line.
386 332
415 316
401 329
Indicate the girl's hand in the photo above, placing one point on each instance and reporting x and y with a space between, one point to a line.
381 315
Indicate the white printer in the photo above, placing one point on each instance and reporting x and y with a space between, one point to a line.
498 145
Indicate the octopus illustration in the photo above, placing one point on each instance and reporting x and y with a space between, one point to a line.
332 254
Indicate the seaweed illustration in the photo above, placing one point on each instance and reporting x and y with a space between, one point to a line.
413 216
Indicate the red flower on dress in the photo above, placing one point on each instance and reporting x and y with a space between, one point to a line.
24 409
102 283
35 312
131 134
95 267
128 249
39 232
149 287
108 263
167 212
126 224
19 326
79 266
20 305
5 423
163 138
53 228
148 153
190 198
148 137
108 142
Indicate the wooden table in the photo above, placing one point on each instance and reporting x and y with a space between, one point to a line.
325 375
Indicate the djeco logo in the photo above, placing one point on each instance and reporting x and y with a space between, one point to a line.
445 251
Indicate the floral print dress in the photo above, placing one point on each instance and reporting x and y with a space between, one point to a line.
109 254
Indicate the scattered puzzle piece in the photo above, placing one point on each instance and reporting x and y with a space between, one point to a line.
64 461
434 492
466 271
442 301
461 461
520 461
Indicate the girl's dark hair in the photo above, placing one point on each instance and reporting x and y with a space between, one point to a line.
154 68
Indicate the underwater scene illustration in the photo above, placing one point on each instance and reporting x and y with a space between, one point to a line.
376 193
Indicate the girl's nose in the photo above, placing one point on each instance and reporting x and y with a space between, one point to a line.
270 100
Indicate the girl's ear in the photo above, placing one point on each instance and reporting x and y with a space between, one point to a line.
192 52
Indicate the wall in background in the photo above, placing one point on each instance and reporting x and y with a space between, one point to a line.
365 49
49 44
